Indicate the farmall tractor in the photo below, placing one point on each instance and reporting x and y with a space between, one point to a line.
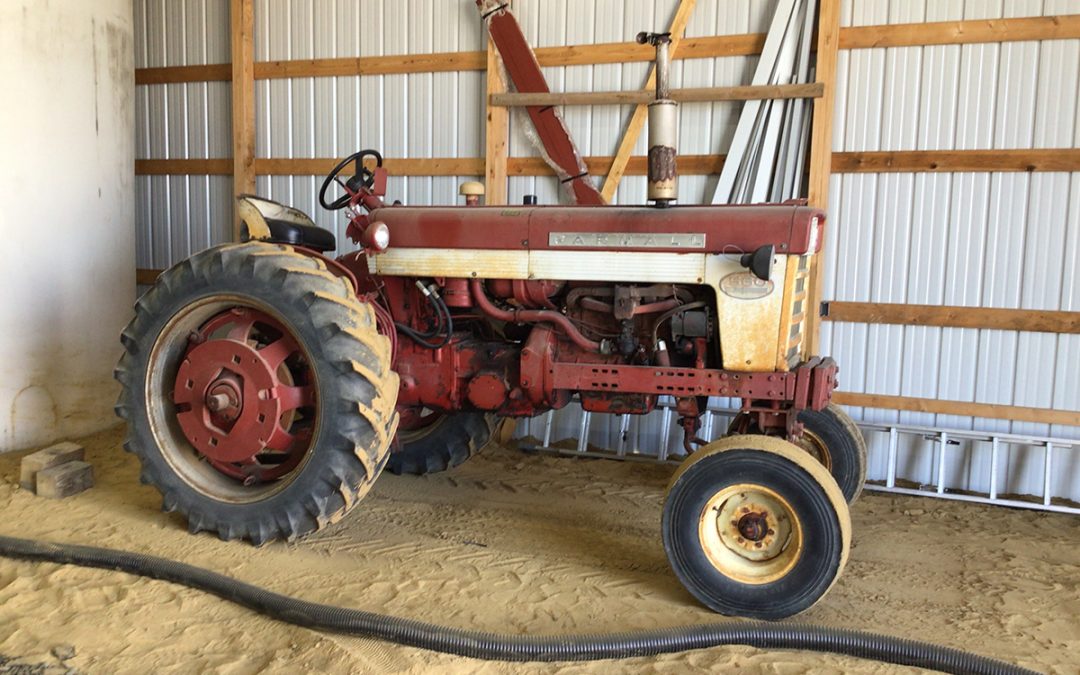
266 385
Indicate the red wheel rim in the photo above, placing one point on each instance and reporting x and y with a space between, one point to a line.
245 396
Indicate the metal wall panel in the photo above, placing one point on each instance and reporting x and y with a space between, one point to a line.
974 239
978 239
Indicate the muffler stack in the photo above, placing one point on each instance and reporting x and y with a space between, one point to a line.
663 126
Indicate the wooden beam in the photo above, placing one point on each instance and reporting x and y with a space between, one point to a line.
1032 320
184 167
1063 159
856 37
217 72
371 65
820 165
242 35
689 165
691 95
438 166
959 408
919 161
146 277
961 32
496 132
638 117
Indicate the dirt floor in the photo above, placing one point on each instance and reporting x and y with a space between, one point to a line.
513 543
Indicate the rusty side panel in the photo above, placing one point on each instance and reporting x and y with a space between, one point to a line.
724 228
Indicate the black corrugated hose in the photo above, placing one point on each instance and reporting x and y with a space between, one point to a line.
493 646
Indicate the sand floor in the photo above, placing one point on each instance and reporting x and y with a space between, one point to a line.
511 542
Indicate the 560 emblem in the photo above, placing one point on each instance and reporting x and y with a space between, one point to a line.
745 286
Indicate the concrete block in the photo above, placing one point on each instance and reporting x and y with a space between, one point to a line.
54 455
65 480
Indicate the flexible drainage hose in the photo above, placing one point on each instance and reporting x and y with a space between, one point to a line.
482 645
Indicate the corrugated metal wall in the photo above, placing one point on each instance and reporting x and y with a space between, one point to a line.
982 239
978 239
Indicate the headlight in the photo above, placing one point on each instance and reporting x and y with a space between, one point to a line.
377 237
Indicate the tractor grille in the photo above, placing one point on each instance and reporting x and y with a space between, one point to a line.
799 299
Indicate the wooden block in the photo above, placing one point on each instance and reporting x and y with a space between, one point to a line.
65 480
43 459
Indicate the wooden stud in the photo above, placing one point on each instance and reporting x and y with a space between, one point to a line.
640 113
1031 320
497 132
828 39
690 95
958 408
242 34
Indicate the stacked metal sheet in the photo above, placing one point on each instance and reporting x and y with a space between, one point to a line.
767 156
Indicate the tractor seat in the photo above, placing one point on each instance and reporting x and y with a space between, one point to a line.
267 220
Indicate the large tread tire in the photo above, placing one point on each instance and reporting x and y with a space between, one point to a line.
356 389
448 442
737 466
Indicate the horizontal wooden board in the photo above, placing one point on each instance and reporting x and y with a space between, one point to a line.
215 72
856 37
438 166
690 95
371 65
1032 320
184 167
146 277
945 161
958 408
1065 159
961 32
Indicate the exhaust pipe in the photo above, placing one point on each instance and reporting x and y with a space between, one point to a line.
663 126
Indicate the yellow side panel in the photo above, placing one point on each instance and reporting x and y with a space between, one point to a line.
748 312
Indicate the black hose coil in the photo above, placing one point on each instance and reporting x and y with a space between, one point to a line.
493 646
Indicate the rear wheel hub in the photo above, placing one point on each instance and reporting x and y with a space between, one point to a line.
239 389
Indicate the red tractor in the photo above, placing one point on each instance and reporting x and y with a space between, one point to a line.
266 385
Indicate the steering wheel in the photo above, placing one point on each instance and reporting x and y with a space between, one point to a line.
362 177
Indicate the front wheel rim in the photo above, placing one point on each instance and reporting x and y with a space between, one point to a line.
750 533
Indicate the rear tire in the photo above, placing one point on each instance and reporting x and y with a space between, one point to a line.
347 417
755 527
447 442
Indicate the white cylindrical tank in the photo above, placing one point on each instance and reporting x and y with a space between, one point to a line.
67 254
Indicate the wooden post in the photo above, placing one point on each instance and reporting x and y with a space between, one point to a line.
497 132
638 117
242 16
821 152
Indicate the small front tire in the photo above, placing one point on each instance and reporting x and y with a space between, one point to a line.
754 527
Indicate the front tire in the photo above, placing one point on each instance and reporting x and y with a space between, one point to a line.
754 527
257 392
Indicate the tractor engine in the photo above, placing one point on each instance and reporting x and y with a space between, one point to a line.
514 310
